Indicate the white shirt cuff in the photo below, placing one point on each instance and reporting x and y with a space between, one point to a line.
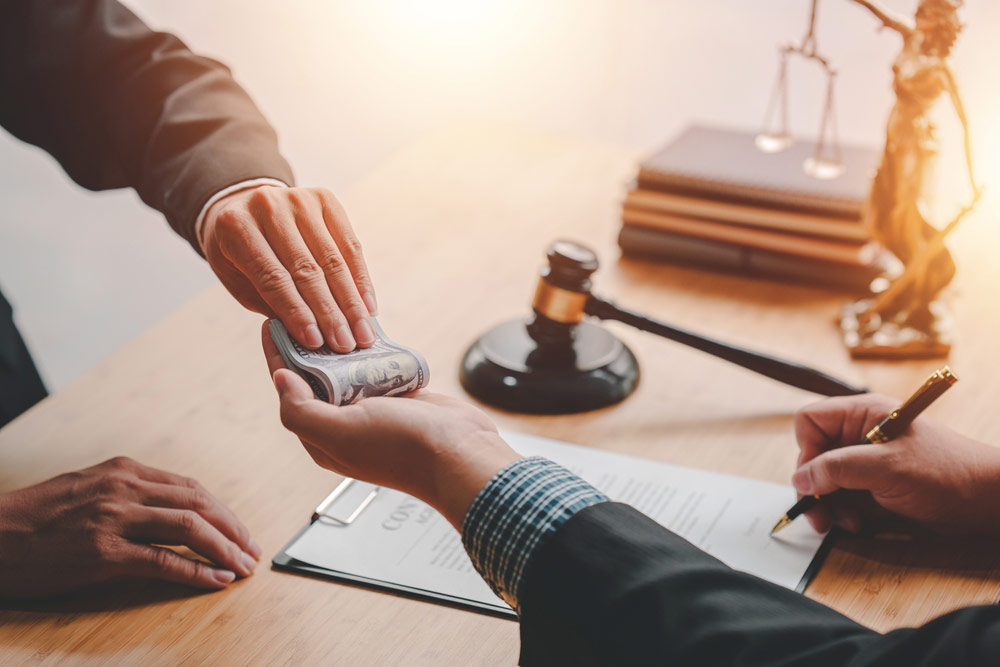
236 187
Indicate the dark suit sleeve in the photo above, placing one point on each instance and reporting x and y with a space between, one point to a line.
612 587
120 105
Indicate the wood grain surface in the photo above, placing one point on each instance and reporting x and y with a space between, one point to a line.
454 230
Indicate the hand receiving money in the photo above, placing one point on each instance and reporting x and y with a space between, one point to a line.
384 369
433 447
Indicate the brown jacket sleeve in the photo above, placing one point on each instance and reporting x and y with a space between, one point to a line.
119 105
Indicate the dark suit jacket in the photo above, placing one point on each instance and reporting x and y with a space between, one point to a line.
612 587
119 105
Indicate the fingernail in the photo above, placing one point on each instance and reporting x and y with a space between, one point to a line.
344 338
255 549
370 303
313 337
248 562
365 333
223 577
802 481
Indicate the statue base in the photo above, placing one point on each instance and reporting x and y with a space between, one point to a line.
877 338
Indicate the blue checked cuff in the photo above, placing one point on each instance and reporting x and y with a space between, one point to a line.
521 506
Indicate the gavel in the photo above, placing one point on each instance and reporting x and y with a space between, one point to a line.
558 362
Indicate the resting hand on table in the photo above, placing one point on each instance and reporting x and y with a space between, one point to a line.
290 253
102 523
433 447
931 474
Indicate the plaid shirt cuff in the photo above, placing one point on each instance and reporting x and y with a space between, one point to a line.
521 506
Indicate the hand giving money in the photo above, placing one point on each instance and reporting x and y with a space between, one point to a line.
384 369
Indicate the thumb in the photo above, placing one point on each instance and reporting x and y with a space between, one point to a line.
291 388
855 467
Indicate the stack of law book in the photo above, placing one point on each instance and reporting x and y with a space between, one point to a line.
712 198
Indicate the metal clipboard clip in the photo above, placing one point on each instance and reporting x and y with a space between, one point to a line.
327 512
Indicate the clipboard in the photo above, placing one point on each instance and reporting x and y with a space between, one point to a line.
383 561
339 509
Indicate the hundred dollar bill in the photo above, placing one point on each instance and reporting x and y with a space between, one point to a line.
385 369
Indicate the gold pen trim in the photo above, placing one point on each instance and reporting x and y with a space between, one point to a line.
782 522
876 436
943 374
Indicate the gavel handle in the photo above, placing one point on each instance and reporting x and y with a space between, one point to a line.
787 372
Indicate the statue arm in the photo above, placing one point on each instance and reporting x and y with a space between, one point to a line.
886 17
956 101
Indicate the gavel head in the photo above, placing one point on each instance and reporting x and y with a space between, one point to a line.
562 293
559 362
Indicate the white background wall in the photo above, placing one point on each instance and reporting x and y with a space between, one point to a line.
346 83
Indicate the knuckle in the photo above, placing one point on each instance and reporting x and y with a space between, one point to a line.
355 309
335 210
112 485
243 533
334 264
238 240
229 221
120 463
187 522
305 269
163 558
328 198
73 478
270 279
102 546
197 571
199 500
262 197
352 246
299 198
328 311
108 512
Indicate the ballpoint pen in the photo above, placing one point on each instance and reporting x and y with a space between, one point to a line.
888 429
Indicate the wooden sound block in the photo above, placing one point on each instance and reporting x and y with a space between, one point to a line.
508 369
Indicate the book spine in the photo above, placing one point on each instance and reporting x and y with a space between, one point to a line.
784 200
750 216
774 241
659 245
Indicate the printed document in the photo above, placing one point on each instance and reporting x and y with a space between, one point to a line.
400 542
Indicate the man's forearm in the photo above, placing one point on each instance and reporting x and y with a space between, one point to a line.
613 587
455 481
520 507
121 105
596 582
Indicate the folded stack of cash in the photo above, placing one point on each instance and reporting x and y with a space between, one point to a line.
384 369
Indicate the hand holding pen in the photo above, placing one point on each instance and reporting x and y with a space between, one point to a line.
929 473
893 425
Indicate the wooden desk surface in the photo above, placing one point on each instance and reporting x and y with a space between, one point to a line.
454 229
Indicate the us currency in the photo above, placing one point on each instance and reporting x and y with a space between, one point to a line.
384 369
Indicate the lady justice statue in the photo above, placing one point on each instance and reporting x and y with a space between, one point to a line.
906 319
